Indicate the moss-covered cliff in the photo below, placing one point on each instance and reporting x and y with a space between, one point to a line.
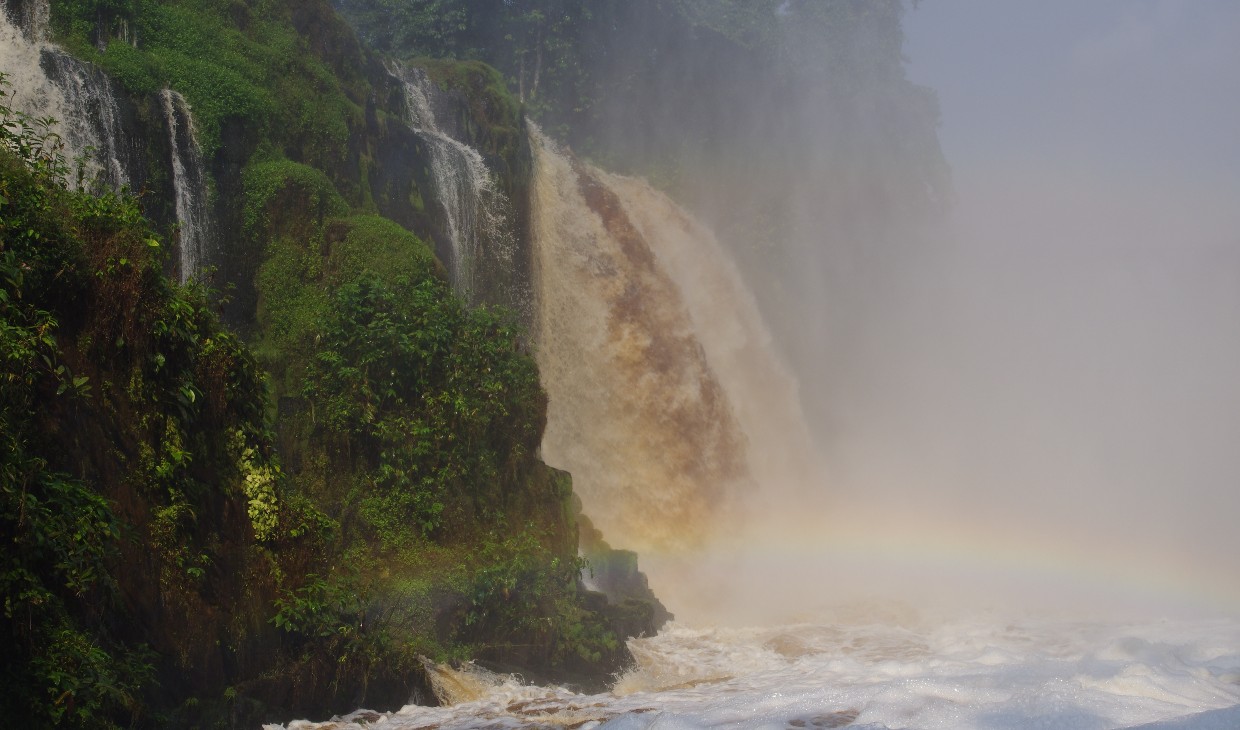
213 529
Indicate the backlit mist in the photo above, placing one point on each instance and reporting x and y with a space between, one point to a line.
1046 382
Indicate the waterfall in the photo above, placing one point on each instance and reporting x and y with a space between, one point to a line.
476 212
21 56
665 399
96 119
727 323
47 82
189 184
31 17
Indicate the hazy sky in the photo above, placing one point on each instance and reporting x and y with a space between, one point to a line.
1129 86
1067 361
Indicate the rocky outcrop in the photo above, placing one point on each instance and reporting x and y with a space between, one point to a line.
631 606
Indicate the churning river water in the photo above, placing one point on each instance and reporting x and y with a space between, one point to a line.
880 667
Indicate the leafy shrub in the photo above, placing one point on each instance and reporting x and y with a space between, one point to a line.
520 593
434 395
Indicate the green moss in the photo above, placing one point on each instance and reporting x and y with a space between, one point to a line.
258 71
309 187
134 69
291 305
375 246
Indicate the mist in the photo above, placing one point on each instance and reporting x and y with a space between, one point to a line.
1039 384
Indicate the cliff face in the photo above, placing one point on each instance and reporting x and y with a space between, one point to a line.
290 544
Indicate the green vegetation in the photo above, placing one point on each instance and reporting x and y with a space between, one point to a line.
200 542
231 60
118 390
414 421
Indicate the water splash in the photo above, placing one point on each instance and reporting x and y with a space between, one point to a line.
476 211
466 683
189 184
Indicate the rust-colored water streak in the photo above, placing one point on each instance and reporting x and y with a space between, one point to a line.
636 412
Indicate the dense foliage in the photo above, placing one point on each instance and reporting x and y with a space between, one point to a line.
191 541
125 407
413 422
434 394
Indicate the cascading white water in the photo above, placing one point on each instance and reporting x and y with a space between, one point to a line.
96 115
666 402
189 184
476 212
47 82
32 17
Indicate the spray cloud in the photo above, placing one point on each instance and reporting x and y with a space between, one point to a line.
1031 370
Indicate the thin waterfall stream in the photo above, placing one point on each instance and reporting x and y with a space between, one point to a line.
476 212
189 185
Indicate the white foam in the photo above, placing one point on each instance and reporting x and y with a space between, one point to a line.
979 672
